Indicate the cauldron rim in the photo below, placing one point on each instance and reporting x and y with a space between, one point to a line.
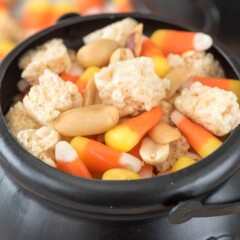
119 198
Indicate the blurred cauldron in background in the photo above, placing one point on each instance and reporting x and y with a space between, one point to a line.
219 18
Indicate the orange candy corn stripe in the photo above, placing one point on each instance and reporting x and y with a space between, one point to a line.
202 141
69 77
68 160
173 41
225 84
150 49
99 158
37 14
126 135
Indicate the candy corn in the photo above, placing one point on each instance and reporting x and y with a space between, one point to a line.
123 5
146 171
181 163
5 47
60 8
172 41
120 174
149 49
136 150
37 15
99 158
84 6
127 134
225 84
68 160
69 77
85 77
202 141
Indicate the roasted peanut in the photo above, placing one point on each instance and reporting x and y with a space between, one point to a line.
121 54
89 120
90 93
134 41
177 76
97 53
163 133
153 153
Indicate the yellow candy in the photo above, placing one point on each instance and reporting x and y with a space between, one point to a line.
120 174
124 135
5 47
61 8
89 72
162 67
181 163
157 37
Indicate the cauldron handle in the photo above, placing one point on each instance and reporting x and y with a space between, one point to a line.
67 16
187 210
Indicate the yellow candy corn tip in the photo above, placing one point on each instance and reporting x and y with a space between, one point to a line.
89 72
79 144
121 138
157 37
162 67
120 174
210 146
182 162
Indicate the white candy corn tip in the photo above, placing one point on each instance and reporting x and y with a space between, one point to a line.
202 41
65 152
176 117
130 162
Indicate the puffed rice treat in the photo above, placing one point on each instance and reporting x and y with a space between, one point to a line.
38 141
51 97
215 109
202 64
18 119
52 55
131 86
48 157
118 31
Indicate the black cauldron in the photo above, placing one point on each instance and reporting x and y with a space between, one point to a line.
38 202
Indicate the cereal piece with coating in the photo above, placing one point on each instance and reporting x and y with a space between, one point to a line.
18 119
38 141
52 55
51 97
202 64
215 109
48 157
118 31
131 86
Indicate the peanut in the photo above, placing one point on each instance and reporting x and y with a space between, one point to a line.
121 54
97 53
163 133
88 120
177 76
134 41
153 153
90 93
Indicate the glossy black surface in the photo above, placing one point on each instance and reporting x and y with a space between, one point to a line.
39 202
219 18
